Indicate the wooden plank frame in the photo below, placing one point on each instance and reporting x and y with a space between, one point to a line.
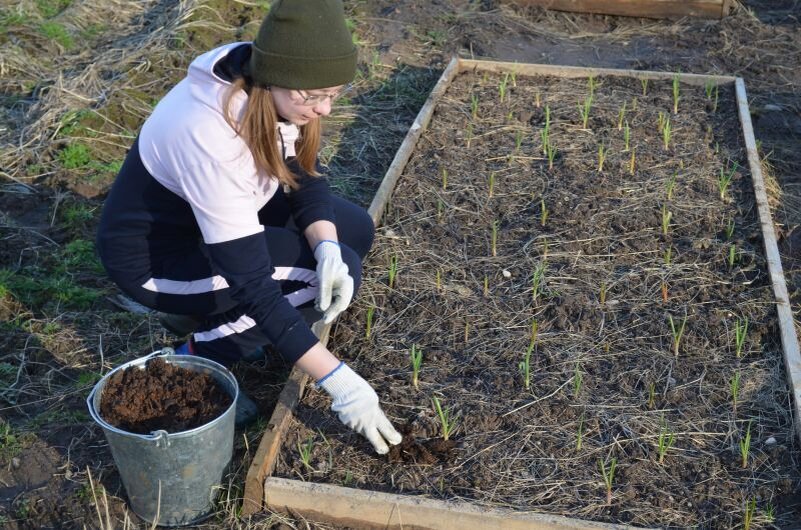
371 509
638 8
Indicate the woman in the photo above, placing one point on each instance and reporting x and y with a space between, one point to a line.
220 210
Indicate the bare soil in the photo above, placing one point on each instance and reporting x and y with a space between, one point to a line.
162 396
606 378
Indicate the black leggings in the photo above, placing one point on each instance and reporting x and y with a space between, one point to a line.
226 332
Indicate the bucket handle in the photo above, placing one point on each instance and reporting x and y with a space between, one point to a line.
159 436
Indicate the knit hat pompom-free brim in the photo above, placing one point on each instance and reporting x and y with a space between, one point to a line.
304 44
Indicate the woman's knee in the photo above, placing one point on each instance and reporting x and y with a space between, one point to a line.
354 263
355 227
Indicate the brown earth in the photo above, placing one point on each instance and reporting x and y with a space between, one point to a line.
600 309
162 396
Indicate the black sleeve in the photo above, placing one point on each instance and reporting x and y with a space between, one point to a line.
312 200
246 265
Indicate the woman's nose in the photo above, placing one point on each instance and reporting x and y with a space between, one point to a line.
324 107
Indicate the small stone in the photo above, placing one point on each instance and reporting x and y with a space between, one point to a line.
15 463
770 441
506 273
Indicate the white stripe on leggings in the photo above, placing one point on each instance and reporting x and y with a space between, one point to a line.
206 285
244 322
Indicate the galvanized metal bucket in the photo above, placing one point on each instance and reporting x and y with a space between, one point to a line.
172 479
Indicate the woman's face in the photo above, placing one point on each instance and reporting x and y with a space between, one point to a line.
302 106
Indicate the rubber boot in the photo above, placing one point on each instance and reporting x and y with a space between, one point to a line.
246 411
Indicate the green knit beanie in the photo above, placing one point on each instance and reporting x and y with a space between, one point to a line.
303 44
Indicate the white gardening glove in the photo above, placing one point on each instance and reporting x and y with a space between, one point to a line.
336 285
356 404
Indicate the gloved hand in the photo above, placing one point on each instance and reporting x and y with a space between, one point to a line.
336 285
356 403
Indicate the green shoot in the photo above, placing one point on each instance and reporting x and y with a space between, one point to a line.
666 130
732 258
634 104
550 150
305 451
677 333
651 395
627 137
502 87
538 99
740 332
444 178
750 512
486 286
670 187
608 473
514 79
631 162
584 110
770 514
729 230
644 83
538 281
578 379
369 325
660 121
440 207
447 419
393 270
545 133
734 387
494 238
602 151
580 433
591 84
709 87
439 280
518 141
745 446
416 356
665 441
491 184
676 93
667 215
724 179
474 106
621 114
668 257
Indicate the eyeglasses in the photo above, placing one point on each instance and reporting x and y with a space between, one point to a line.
310 100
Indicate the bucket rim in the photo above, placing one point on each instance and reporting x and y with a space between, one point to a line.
156 436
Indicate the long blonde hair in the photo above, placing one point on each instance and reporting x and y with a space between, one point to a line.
258 129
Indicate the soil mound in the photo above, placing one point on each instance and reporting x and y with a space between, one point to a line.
162 396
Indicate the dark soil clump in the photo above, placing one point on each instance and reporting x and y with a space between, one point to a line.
415 451
163 396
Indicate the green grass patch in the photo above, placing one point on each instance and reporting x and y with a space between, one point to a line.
51 8
74 156
79 255
57 32
40 290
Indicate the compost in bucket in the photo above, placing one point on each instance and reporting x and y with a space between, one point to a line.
162 396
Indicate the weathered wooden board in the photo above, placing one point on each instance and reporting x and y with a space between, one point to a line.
638 8
372 509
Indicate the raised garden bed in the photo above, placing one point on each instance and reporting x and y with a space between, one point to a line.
609 307
639 8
